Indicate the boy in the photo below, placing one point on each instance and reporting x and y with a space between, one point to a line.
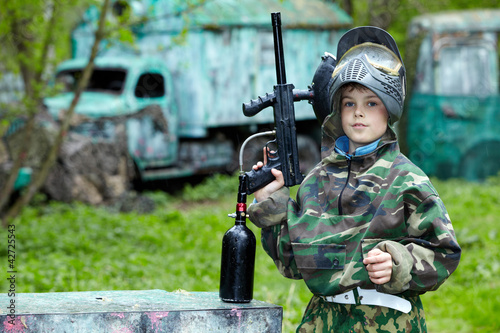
368 232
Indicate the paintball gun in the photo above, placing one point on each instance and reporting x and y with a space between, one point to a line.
286 158
238 244
281 99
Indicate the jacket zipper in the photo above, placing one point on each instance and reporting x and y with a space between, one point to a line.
345 185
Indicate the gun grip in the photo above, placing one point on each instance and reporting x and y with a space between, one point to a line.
257 179
257 105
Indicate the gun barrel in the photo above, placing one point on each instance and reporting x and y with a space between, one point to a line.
278 48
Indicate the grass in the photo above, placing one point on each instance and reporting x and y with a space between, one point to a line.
76 247
469 300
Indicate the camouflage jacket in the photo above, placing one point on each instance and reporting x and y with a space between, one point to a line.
346 207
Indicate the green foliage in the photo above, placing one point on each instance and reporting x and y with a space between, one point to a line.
212 188
75 247
29 22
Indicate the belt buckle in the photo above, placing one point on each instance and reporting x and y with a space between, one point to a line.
345 298
371 297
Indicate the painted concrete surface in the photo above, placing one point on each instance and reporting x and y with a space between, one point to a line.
136 311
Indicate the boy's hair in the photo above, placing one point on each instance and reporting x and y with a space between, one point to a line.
350 86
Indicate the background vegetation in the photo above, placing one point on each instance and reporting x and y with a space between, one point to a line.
76 247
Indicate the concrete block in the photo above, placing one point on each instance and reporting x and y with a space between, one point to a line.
136 311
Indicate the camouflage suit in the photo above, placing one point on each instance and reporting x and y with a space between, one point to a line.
345 207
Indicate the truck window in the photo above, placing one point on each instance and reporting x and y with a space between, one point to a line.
104 80
150 85
467 69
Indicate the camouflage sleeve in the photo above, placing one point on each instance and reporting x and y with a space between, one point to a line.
424 260
276 243
271 211
271 216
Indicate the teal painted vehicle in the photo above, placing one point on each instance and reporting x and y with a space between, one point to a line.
453 124
119 88
181 102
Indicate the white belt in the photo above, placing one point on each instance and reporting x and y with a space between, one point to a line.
371 297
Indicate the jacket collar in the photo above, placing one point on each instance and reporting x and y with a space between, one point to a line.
342 147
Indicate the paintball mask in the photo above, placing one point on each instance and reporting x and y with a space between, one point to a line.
369 56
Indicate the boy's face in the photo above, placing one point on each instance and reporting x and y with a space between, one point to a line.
364 117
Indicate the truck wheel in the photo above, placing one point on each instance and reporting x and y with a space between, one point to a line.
309 153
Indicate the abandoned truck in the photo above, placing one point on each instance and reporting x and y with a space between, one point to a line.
453 111
182 103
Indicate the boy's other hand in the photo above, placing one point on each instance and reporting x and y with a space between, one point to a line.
379 266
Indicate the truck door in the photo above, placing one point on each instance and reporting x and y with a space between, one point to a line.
152 132
453 127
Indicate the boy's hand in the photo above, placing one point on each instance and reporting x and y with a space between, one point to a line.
273 186
379 266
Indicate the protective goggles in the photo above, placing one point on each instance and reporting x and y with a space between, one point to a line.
379 56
